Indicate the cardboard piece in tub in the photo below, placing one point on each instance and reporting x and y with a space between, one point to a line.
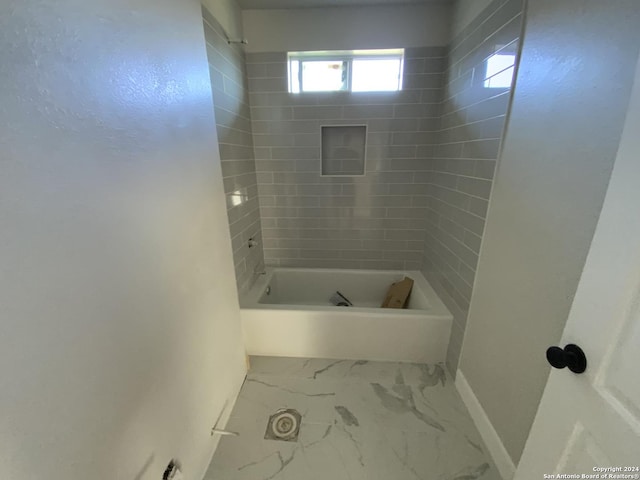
398 294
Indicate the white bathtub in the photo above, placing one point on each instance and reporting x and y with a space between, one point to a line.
296 318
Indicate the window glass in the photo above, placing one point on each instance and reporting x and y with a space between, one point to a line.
324 75
376 75
355 70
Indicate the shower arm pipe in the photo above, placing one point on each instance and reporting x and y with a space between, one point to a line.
233 41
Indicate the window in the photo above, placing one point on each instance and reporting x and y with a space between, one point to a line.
353 71
500 67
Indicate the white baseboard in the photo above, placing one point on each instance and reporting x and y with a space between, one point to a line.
491 439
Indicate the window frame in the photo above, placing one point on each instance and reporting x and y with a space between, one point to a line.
347 57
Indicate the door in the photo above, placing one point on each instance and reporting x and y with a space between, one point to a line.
591 421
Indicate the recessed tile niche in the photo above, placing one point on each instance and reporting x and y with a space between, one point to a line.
343 149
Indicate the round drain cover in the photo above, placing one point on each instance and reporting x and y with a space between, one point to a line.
284 425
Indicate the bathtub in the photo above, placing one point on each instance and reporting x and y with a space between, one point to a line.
288 313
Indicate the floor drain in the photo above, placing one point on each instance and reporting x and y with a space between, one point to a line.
283 425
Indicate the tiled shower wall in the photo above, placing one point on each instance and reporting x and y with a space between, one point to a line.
373 221
431 155
465 158
233 122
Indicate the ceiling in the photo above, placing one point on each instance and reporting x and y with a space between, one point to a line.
271 4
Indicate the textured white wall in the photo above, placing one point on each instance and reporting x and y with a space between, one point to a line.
346 28
120 339
569 106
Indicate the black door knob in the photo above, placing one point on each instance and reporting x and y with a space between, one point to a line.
570 356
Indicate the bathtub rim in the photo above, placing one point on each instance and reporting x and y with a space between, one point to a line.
251 299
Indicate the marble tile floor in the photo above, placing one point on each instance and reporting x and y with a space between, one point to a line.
360 421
